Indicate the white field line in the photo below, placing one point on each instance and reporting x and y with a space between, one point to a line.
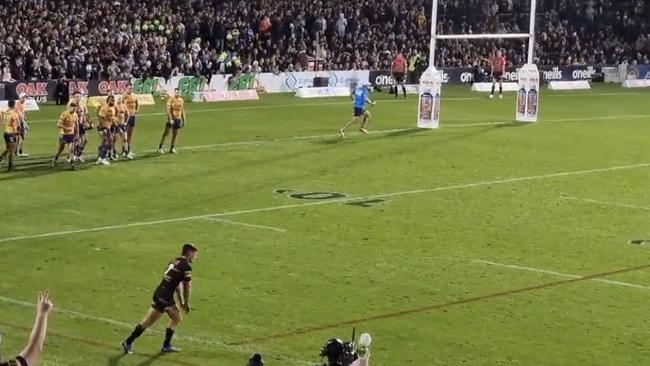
238 223
333 135
209 342
559 274
270 106
605 203
459 186
299 105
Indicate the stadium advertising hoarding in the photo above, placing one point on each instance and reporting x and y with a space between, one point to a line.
464 75
225 96
46 90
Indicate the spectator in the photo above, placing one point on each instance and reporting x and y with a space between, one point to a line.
43 39
29 356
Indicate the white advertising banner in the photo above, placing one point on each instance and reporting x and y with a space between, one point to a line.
637 83
569 85
323 92
487 87
30 105
292 81
225 96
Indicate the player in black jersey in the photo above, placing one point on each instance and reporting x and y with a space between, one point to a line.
176 280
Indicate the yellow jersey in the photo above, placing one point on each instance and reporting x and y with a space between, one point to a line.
67 123
121 114
175 107
131 103
12 122
106 115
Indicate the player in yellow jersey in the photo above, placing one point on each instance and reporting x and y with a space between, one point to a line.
175 120
22 129
119 129
11 131
67 124
133 106
83 125
106 115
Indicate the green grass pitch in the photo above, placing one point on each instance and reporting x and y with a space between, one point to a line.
461 246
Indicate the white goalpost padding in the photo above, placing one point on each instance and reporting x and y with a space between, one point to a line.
527 105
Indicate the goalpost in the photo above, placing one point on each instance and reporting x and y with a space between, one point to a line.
431 80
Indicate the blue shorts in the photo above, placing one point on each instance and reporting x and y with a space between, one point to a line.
11 138
131 121
358 112
175 124
67 139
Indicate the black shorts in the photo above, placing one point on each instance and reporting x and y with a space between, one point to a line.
11 138
358 112
131 121
67 139
498 76
399 77
22 129
18 361
162 303
175 124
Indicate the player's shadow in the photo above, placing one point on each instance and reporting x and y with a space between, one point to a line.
115 360
150 360
511 124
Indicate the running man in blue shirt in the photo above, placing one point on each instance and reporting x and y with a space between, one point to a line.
360 97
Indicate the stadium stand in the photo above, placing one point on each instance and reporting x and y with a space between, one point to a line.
92 39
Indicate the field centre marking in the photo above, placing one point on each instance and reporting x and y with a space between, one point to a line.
458 186
559 274
238 223
208 342
438 306
605 203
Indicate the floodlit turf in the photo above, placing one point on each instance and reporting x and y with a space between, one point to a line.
280 274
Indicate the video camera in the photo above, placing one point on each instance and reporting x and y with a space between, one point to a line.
339 353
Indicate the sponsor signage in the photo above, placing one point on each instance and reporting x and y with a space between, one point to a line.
225 96
464 75
323 92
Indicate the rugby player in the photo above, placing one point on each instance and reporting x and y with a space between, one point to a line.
83 125
106 118
175 120
398 69
23 127
360 115
133 106
119 129
498 63
176 280
68 133
11 132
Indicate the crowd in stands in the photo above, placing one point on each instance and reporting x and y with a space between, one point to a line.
109 39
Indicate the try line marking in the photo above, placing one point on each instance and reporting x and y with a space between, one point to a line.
238 223
559 274
605 203
459 186
208 342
